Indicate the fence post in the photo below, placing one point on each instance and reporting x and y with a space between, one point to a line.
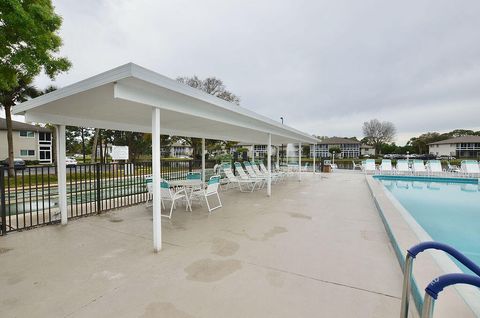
3 207
99 192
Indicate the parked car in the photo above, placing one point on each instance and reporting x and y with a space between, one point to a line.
444 157
18 163
71 162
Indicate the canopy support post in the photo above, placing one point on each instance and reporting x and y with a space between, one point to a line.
203 159
62 173
314 156
253 152
299 161
156 180
269 165
278 156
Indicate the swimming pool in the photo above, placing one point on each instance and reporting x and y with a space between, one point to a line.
447 209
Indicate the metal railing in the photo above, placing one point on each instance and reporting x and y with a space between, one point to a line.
29 198
437 285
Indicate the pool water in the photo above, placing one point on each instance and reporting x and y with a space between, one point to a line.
447 209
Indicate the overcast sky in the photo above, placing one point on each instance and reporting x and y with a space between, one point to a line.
325 66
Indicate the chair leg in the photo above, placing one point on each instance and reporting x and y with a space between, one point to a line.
208 204
219 201
171 209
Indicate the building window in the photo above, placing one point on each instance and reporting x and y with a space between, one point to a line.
27 153
44 136
27 134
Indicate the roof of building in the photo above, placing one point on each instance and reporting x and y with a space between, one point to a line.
457 140
338 141
21 126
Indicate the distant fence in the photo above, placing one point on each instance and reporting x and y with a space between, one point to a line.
30 197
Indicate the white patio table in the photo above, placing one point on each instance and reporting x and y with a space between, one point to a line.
189 184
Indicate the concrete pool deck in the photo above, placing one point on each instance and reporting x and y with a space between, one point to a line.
316 248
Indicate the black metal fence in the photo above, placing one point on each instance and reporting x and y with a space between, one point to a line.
30 197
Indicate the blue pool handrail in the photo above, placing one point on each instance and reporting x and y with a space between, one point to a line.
412 254
415 250
438 284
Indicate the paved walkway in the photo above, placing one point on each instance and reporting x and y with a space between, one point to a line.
316 248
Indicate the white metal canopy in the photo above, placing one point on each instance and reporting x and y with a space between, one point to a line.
122 99
133 98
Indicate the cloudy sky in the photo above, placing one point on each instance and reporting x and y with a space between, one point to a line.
325 66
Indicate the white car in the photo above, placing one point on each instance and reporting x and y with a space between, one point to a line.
70 162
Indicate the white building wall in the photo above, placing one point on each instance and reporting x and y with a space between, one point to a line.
19 143
443 149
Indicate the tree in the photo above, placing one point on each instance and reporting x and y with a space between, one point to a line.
212 86
335 150
29 43
378 133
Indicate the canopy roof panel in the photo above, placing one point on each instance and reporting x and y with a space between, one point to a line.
122 99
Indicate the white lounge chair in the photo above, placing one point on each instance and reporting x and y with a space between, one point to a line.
210 190
470 168
386 166
370 166
251 173
453 168
402 167
419 167
248 184
243 175
356 165
276 176
305 167
435 167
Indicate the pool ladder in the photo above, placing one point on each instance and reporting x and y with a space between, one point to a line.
439 283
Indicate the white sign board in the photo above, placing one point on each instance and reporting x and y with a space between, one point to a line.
119 152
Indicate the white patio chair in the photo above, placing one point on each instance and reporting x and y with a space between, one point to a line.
210 190
149 186
418 167
167 194
402 167
386 166
370 166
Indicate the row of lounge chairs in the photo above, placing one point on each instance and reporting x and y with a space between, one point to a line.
468 168
247 178
250 176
